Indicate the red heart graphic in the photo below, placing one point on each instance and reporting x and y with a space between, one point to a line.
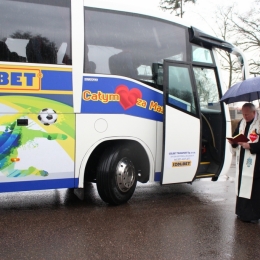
128 97
253 137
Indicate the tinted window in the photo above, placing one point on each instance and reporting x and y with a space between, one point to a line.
35 31
127 45
180 88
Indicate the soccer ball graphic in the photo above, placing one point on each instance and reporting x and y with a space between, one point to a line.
48 116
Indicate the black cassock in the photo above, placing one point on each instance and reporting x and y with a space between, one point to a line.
249 209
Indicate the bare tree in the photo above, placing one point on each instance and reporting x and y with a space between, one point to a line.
174 5
247 29
229 63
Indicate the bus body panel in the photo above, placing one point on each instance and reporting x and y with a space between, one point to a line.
228 149
105 127
77 37
182 142
132 110
159 152
37 126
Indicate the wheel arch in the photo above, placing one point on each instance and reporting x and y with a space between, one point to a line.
145 162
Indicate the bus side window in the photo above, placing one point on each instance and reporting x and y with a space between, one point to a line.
127 44
35 31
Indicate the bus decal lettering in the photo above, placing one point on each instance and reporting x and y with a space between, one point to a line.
29 78
90 79
100 96
4 78
141 103
121 96
181 163
12 78
156 107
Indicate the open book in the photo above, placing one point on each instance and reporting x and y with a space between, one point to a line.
238 138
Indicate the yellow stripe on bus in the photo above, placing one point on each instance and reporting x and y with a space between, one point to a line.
38 92
24 66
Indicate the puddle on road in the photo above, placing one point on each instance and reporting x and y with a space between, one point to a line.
220 178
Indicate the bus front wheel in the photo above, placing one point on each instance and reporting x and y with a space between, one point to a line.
116 176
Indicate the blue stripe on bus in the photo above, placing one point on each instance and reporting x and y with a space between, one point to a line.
38 185
108 95
56 80
157 176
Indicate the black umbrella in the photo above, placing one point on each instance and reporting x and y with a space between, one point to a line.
247 90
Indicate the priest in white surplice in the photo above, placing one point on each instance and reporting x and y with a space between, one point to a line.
248 166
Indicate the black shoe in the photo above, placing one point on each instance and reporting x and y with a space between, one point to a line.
254 221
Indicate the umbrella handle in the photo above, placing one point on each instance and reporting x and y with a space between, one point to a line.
256 132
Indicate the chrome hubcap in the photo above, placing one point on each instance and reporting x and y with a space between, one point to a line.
125 174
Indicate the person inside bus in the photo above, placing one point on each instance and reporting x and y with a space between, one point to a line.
248 163
122 64
41 50
91 67
4 52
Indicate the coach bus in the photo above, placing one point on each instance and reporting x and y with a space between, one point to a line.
92 91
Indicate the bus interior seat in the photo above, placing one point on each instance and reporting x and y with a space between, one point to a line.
61 53
122 64
4 52
37 51
16 58
91 67
33 51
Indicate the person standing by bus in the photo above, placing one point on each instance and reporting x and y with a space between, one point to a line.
248 166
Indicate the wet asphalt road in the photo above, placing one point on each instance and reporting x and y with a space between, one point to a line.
179 221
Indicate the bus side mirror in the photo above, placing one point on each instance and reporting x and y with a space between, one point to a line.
157 70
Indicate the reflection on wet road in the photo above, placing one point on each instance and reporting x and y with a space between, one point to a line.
179 221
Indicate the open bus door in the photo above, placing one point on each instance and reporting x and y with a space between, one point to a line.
182 127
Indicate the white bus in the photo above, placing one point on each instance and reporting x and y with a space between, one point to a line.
92 91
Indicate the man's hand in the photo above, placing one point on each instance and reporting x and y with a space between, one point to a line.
245 145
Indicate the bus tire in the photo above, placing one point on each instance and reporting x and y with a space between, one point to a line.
116 175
